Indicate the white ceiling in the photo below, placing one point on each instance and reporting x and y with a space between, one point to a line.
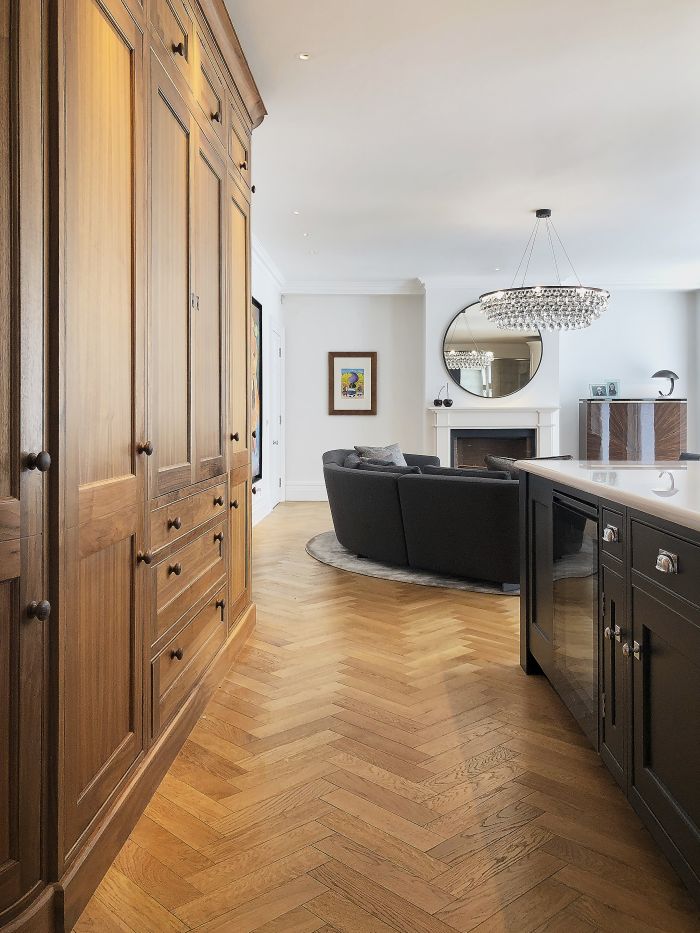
421 134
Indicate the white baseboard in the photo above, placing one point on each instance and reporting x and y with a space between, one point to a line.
306 492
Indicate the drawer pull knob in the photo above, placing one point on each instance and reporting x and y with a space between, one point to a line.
146 448
216 117
221 604
235 436
608 633
179 49
611 534
667 562
40 610
254 433
177 654
218 500
243 166
234 504
219 536
40 461
175 523
635 650
175 568
144 557
254 491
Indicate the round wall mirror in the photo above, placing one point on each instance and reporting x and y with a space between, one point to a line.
487 361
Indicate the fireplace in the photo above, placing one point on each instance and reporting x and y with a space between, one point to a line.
469 446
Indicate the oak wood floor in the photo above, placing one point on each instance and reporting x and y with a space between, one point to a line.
377 762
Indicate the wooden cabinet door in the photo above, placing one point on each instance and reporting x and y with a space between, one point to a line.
664 661
613 681
239 508
22 635
239 329
209 345
172 295
104 246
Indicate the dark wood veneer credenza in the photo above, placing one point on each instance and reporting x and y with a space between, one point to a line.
125 487
632 429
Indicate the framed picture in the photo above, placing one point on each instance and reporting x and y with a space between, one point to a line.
352 383
613 387
256 390
598 390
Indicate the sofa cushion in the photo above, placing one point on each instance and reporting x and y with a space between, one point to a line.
455 471
390 454
352 460
387 468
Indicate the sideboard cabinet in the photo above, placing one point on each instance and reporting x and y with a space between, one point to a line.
124 420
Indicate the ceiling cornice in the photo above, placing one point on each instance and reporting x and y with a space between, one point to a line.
264 258
355 287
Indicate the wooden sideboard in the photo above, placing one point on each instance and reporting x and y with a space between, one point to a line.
125 485
632 429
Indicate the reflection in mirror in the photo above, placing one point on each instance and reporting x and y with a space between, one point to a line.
484 359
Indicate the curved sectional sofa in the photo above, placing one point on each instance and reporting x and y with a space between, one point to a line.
463 525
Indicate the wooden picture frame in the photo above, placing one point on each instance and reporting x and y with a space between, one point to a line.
352 382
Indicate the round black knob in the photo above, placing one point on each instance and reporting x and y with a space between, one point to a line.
243 165
40 461
218 500
253 189
221 604
219 536
177 654
255 491
179 49
146 448
175 568
254 433
40 610
236 436
234 504
175 522
144 557
216 117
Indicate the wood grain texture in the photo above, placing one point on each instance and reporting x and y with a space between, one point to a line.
317 837
633 430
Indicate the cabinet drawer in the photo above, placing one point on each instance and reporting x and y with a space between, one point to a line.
239 145
210 89
187 574
174 520
173 23
668 560
178 667
612 533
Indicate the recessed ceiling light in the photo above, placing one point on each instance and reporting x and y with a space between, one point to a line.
306 234
497 269
304 56
296 212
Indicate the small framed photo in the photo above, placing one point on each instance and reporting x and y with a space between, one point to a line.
352 383
613 388
598 390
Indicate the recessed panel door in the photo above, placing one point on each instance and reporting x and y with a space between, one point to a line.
105 444
239 315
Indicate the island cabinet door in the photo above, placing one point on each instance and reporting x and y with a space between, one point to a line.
541 558
664 660
105 462
613 681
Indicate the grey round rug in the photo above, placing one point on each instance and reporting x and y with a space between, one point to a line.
328 550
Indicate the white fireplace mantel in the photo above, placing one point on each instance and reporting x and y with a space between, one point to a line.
544 420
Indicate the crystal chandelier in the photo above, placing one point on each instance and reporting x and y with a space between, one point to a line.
544 307
468 359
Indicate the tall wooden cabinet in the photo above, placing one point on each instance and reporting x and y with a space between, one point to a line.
124 383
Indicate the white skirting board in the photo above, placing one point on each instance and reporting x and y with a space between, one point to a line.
306 492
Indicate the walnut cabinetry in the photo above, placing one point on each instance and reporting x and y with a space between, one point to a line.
124 344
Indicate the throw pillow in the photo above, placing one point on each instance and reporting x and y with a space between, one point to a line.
387 468
390 454
352 461
455 471
502 463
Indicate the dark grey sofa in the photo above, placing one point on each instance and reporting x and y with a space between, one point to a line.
465 526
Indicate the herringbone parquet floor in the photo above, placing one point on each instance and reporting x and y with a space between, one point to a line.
377 762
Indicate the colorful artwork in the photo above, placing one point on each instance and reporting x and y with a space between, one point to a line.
256 400
352 383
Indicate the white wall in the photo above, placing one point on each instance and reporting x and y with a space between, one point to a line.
393 325
641 332
266 288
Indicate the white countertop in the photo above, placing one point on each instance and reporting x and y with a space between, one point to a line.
669 490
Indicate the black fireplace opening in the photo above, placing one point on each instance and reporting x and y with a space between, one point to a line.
469 446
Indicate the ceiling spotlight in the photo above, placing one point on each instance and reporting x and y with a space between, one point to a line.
296 212
306 234
304 56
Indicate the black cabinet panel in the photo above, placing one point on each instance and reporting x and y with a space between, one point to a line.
613 680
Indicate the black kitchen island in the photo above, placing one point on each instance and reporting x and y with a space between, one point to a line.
610 613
